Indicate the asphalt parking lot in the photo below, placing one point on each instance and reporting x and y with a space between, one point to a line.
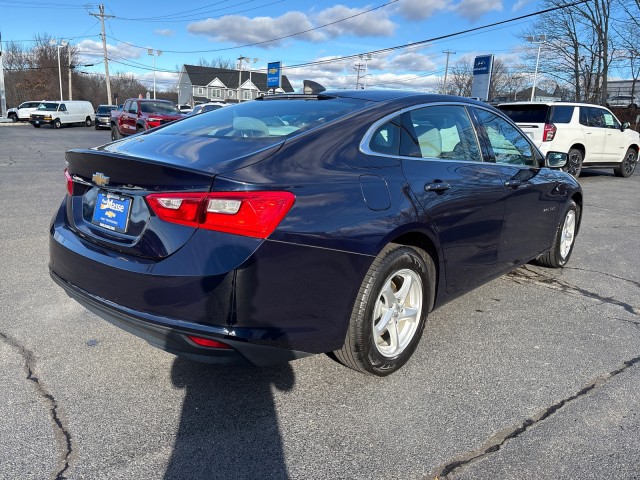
533 376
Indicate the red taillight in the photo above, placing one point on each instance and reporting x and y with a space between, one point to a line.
207 342
252 214
549 132
69 182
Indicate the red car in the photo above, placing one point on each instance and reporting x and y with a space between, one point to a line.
140 114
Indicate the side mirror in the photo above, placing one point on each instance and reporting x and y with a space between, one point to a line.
624 126
557 159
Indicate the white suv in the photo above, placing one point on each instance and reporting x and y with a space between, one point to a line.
591 135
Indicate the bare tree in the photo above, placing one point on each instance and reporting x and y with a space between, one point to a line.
217 63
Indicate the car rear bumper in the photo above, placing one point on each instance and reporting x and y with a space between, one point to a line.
270 301
171 335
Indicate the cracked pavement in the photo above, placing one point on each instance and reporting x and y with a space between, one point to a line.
534 375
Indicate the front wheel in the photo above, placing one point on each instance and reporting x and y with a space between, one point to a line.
390 311
115 133
13 117
57 123
565 237
627 165
574 163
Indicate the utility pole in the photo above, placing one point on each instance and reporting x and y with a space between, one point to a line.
69 55
366 58
3 98
446 71
102 16
358 67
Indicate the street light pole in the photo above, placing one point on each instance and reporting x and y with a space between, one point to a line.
58 47
539 39
155 54
69 55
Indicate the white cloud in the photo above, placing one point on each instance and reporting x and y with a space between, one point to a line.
371 24
165 32
519 4
474 9
420 9
93 49
243 30
238 30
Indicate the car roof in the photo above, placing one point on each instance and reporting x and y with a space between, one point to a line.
569 104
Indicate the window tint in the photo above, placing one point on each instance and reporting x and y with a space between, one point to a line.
526 113
508 144
439 132
386 139
561 114
595 117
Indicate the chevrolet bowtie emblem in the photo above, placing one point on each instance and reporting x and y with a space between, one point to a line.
100 179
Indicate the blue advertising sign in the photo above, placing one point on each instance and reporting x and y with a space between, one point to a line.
274 74
482 69
482 65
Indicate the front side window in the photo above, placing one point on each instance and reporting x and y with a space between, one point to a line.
442 131
508 144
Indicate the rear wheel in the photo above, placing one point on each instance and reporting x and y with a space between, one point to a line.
559 254
390 311
88 122
574 163
627 165
57 123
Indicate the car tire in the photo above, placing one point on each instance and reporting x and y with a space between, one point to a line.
35 126
564 239
57 123
13 117
574 162
390 311
627 165
96 127
115 134
88 122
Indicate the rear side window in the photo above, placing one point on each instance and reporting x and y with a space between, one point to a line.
439 132
526 113
562 114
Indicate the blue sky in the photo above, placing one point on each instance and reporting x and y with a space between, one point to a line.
294 32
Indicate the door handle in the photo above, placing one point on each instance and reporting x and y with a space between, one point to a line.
437 187
512 183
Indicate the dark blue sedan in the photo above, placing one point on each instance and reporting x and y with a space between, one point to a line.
307 223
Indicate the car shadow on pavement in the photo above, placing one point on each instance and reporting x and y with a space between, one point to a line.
229 426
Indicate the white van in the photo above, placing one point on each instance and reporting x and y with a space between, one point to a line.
67 112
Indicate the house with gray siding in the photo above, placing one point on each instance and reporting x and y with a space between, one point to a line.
205 84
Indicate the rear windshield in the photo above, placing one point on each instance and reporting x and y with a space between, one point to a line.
105 108
159 107
266 118
526 113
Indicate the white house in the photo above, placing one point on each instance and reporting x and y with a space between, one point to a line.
202 84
